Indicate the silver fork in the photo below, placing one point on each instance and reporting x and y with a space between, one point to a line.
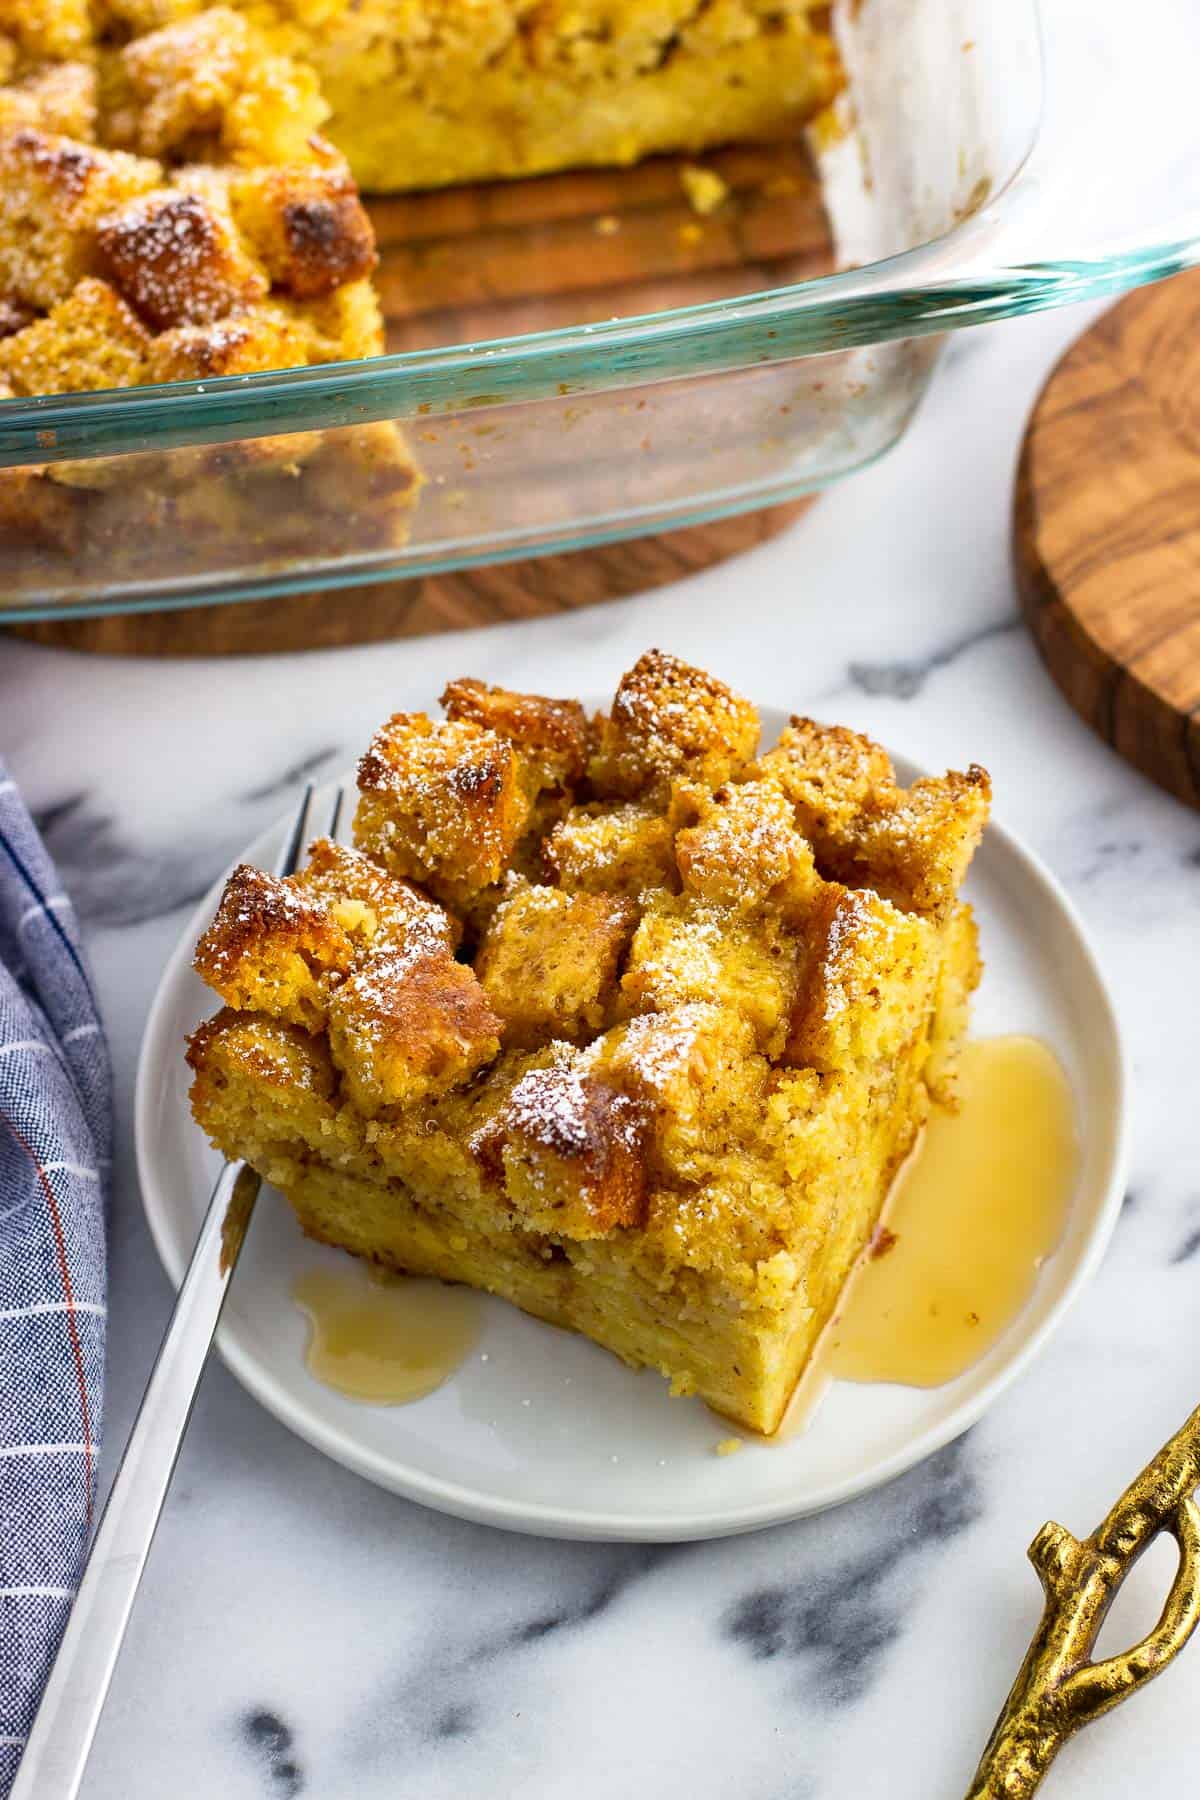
57 1750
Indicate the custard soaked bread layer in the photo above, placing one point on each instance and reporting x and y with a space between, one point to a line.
617 1018
466 90
421 95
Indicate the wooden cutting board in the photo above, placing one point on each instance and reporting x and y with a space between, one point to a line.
467 264
1107 530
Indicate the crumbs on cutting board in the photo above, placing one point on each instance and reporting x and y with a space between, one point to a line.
704 188
730 1446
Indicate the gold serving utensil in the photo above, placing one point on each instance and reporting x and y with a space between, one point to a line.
1059 1687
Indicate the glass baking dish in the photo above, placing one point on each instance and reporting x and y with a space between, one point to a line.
683 365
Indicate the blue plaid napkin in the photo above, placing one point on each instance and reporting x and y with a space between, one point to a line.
55 1149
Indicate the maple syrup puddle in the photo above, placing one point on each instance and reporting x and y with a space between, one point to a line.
971 1218
384 1340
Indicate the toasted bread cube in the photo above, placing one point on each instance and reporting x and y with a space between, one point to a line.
625 849
697 1070
340 326
548 962
275 948
276 117
671 721
89 340
60 97
745 851
866 984
913 845
830 775
685 950
379 908
917 849
260 339
258 1080
52 193
208 78
47 30
552 735
282 945
177 260
408 1025
440 804
571 1148
307 225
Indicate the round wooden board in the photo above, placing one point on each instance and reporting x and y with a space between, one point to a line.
1107 530
469 598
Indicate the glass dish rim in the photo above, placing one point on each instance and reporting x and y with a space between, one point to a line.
963 277
821 316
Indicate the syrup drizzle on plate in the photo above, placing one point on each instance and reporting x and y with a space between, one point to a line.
971 1218
384 1341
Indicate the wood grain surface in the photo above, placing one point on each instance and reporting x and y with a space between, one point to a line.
466 264
1107 530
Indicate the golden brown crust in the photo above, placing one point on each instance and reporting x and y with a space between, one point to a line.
549 962
307 226
401 915
687 950
670 721
913 845
440 803
281 946
573 1153
258 237
176 261
53 192
273 948
866 979
551 733
270 1051
91 339
233 242
745 850
624 849
407 1026
237 346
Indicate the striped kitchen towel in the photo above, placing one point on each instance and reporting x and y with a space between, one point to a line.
55 1150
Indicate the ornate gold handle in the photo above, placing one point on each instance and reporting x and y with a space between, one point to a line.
1059 1688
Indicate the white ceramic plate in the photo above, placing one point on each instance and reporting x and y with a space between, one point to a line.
540 1431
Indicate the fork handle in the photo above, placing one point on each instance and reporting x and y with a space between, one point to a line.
57 1749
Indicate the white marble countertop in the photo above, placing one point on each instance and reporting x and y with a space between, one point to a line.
300 1632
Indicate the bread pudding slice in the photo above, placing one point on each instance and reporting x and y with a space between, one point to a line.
617 1018
169 212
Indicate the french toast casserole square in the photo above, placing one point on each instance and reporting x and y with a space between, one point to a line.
619 1018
